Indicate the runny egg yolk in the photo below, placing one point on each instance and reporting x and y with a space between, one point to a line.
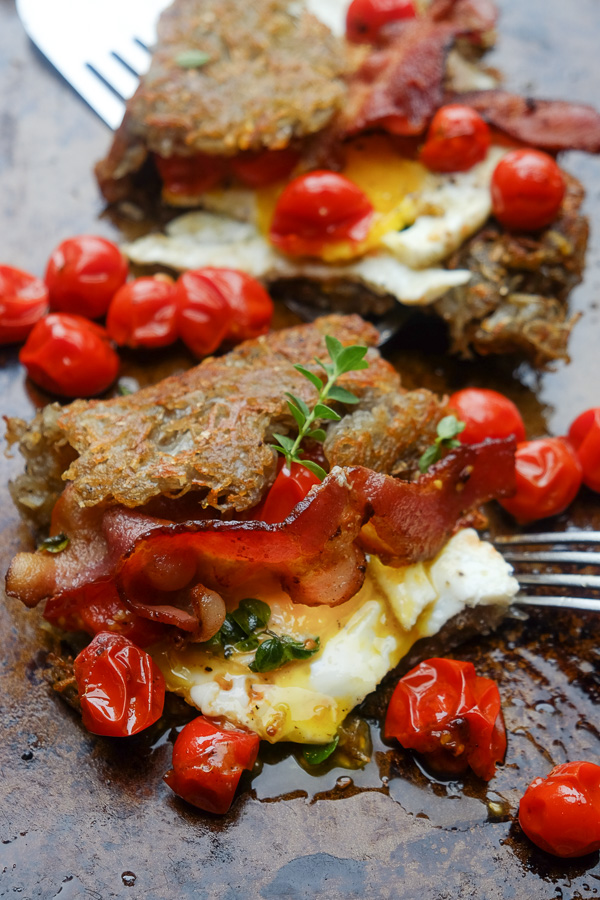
388 180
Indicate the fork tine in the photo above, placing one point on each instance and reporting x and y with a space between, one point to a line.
576 557
551 537
561 579
582 603
133 55
112 70
95 92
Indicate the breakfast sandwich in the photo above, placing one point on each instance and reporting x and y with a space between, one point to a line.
166 525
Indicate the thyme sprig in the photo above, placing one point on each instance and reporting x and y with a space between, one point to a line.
343 359
447 430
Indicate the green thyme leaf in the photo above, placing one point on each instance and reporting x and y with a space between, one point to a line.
251 614
286 442
447 429
318 434
314 379
293 649
342 395
249 643
325 412
334 347
431 455
269 656
55 544
315 754
315 468
192 59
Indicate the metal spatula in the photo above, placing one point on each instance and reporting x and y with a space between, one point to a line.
99 46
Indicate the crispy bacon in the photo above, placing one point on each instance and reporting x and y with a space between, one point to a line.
551 125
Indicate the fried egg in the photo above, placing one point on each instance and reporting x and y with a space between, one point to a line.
360 641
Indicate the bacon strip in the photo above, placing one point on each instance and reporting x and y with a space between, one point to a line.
552 125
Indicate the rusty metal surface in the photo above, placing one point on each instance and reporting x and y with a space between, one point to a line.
86 817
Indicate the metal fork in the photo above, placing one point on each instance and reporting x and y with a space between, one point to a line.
517 549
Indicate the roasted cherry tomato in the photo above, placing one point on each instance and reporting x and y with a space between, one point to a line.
527 190
190 176
289 488
208 762
457 139
486 414
319 209
98 607
70 356
366 18
445 711
203 313
83 275
561 813
259 169
548 474
251 308
584 434
143 313
23 302
121 689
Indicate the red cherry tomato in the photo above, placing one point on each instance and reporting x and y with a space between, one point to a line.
318 209
260 169
289 488
70 356
142 314
121 689
527 190
457 139
445 711
250 307
190 176
548 475
23 302
98 607
486 414
561 813
83 275
203 314
584 434
366 18
208 762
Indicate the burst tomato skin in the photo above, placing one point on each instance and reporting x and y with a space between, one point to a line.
250 307
445 711
318 209
260 169
584 435
143 314
457 139
527 190
83 275
203 314
70 356
121 689
23 302
561 813
290 487
486 414
548 476
208 762
366 18
190 176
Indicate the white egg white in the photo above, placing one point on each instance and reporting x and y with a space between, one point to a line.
360 641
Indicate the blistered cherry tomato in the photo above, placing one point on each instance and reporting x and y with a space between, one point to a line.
527 190
208 762
366 18
486 414
83 275
70 356
98 607
190 176
203 314
251 308
319 209
457 139
561 813
259 169
290 487
445 711
23 302
121 689
143 314
584 434
548 475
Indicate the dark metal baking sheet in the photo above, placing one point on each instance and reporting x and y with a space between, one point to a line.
86 817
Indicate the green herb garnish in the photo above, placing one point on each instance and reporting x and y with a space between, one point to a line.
192 59
447 429
277 650
315 754
55 544
343 359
